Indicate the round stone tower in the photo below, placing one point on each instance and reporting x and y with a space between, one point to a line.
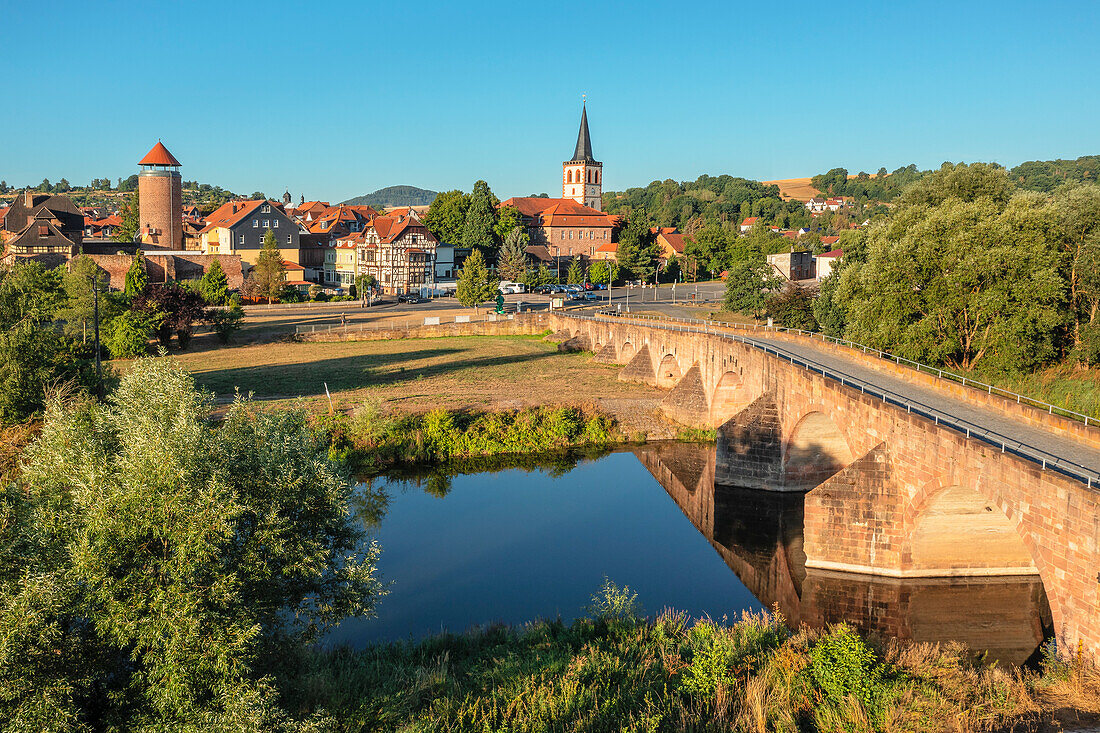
160 193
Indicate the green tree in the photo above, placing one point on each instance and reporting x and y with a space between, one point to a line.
1078 211
139 589
79 309
638 249
136 278
446 216
963 275
127 231
479 230
508 219
603 272
512 261
34 355
226 322
748 283
127 335
575 275
365 285
792 307
214 285
475 284
269 274
545 276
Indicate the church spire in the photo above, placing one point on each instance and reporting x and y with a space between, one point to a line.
583 153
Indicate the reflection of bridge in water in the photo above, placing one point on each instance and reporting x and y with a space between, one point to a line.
759 536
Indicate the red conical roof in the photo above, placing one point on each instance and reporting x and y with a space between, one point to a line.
159 155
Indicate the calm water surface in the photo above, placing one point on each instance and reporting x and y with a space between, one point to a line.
518 544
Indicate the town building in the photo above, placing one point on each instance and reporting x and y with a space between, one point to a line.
398 250
748 223
582 176
43 224
793 265
160 200
238 227
826 262
562 228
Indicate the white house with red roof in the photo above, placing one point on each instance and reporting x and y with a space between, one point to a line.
749 223
826 262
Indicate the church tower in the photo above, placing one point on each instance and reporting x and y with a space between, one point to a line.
582 177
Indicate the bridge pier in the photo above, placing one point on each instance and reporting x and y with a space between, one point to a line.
892 492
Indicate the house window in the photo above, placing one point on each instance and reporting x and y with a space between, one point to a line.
570 233
242 240
290 239
266 209
275 223
267 223
255 223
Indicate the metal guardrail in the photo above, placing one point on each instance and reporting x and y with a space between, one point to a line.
1047 460
885 356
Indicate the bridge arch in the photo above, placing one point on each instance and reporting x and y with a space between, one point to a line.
668 372
816 450
626 352
728 398
957 516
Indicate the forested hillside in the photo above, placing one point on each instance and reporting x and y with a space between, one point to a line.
394 196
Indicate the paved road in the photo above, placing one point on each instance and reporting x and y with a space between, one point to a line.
994 425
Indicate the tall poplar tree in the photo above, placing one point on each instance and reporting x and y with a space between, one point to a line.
136 278
512 261
475 284
269 274
481 220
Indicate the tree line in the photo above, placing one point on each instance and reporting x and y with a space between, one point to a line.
968 270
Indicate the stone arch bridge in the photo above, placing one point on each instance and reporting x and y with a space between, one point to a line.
909 475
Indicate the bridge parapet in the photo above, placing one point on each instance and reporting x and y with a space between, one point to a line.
903 488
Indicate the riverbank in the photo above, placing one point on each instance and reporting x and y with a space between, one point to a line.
371 440
617 671
465 373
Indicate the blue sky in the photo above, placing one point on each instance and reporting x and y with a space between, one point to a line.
342 98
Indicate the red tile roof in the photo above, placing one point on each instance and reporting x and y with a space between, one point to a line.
830 240
832 252
559 212
159 155
226 217
748 222
674 239
609 247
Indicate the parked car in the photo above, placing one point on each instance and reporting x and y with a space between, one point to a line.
600 286
543 289
409 298
593 295
589 286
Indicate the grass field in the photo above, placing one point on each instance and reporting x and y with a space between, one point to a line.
475 372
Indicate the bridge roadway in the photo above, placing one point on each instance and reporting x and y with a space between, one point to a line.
1075 457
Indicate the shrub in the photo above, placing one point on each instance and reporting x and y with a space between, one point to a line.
127 335
724 656
226 322
843 666
612 603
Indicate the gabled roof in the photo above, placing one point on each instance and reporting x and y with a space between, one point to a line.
749 221
225 217
830 240
159 155
832 253
559 212
674 239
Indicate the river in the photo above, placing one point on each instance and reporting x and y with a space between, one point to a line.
471 549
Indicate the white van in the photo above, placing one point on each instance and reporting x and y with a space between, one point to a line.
511 288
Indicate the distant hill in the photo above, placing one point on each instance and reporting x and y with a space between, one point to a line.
394 196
